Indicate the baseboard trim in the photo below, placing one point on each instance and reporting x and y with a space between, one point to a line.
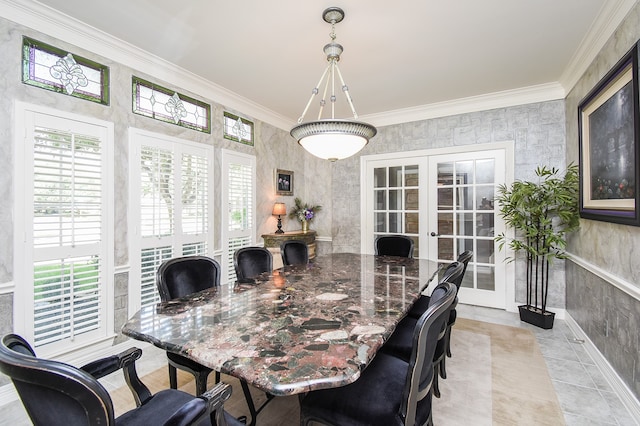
619 387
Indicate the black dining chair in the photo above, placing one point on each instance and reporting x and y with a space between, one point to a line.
180 277
464 258
57 394
423 301
294 252
454 272
250 262
390 391
394 245
400 343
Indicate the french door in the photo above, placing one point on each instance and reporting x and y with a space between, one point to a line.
443 200
463 216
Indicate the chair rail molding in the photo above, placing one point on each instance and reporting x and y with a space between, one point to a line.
620 283
122 269
7 288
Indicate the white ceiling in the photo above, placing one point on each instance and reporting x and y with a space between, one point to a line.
408 54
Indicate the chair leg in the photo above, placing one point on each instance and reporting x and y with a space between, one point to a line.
173 377
443 370
201 382
448 341
436 388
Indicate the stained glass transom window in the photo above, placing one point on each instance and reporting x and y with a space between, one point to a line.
169 106
55 69
238 129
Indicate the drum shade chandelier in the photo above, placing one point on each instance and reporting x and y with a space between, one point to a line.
330 138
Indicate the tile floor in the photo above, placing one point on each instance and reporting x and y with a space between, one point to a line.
583 392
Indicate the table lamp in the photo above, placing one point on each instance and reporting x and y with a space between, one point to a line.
279 209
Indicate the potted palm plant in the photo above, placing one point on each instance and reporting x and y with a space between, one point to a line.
542 214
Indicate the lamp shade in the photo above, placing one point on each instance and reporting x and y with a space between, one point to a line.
279 209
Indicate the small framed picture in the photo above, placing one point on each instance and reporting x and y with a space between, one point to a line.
284 182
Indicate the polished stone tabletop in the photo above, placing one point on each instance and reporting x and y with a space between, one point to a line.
296 329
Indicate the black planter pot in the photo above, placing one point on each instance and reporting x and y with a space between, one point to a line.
536 316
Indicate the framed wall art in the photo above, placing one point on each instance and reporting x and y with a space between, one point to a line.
284 182
608 124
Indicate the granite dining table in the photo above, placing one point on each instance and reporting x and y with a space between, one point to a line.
293 330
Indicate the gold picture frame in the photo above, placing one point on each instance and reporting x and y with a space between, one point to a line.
284 182
609 146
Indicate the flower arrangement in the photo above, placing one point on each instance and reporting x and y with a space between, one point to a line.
303 212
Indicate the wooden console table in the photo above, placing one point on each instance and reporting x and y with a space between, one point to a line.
273 241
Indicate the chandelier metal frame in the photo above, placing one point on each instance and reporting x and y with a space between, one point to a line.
321 136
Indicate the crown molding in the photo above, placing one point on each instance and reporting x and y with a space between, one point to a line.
609 19
56 24
42 18
507 98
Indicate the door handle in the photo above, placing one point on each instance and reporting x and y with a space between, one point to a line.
433 234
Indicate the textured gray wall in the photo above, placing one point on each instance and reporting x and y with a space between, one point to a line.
611 319
538 131
592 302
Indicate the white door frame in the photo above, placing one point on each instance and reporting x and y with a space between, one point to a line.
366 163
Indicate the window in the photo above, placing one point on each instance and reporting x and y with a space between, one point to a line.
63 200
238 193
54 69
170 182
238 129
160 103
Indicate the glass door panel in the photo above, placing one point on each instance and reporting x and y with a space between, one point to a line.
396 201
464 187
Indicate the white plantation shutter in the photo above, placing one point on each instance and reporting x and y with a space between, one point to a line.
233 245
63 261
239 196
156 220
195 249
240 199
151 259
67 298
171 184
157 179
67 218
67 189
195 193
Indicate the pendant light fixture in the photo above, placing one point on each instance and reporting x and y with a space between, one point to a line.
330 138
